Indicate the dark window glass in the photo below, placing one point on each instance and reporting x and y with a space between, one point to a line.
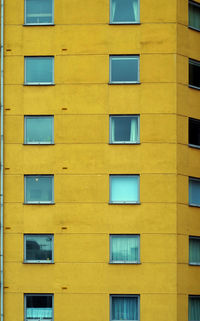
194 132
124 69
38 248
39 301
194 15
194 308
194 191
194 73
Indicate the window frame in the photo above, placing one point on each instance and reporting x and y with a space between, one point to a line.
197 121
39 261
38 202
191 296
123 202
195 4
40 23
124 296
124 142
123 22
111 82
123 262
52 83
192 62
197 238
36 142
193 179
38 294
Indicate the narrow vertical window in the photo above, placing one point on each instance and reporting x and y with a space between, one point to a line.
124 69
39 70
194 132
124 249
38 307
38 248
124 11
194 250
124 189
194 191
194 15
38 189
194 308
125 307
38 12
124 129
194 74
38 130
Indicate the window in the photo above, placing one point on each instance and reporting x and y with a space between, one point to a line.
38 189
38 12
124 69
124 307
124 189
194 15
38 307
124 12
194 250
124 129
194 191
39 70
124 248
194 132
194 74
194 308
38 248
38 130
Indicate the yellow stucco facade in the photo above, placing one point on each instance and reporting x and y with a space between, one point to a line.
81 220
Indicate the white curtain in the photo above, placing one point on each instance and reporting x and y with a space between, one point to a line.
135 10
39 313
125 248
124 308
134 130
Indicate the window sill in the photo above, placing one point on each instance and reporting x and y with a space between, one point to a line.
132 263
37 262
194 205
194 264
124 143
124 23
31 144
125 83
194 87
39 203
38 24
193 28
194 146
39 84
124 203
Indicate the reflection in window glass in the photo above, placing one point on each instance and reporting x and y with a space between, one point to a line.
194 15
124 69
39 189
38 248
38 130
38 12
194 191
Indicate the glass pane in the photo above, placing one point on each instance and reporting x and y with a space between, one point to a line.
39 70
39 306
39 129
194 73
194 15
124 69
39 189
124 129
39 11
124 189
194 192
125 248
194 309
38 247
194 250
194 132
124 308
124 11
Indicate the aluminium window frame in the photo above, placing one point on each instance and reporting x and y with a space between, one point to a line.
123 22
39 261
197 238
42 23
38 143
38 294
195 4
122 57
123 262
197 121
124 142
192 296
52 83
192 62
124 202
125 296
38 202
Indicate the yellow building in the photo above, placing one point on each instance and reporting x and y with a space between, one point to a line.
101 160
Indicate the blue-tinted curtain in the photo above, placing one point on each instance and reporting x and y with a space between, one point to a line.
39 188
124 188
194 16
194 250
194 192
124 11
39 11
39 70
124 69
39 313
39 129
125 248
194 309
39 247
124 308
